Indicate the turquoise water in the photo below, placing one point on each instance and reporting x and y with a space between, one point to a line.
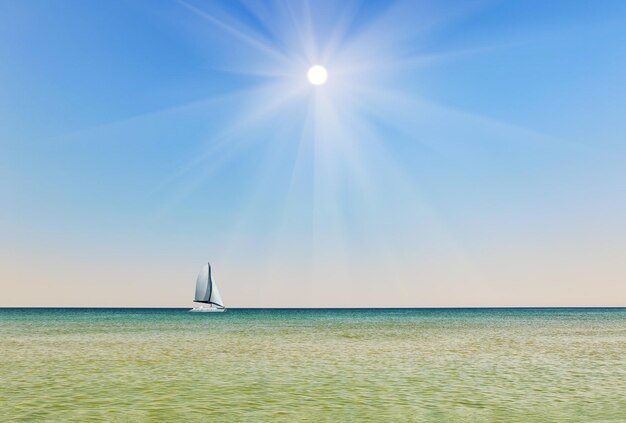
526 365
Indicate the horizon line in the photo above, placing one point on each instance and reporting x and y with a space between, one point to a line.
329 308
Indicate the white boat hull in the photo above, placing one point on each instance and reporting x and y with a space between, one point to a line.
204 309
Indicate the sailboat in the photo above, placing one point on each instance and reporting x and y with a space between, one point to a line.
207 293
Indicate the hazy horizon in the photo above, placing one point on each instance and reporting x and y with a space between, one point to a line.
460 154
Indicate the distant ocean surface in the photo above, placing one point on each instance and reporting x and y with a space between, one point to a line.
483 365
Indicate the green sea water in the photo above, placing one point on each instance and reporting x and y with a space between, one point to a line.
483 365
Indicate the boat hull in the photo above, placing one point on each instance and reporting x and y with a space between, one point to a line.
202 309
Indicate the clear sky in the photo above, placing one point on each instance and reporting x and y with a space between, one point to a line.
460 154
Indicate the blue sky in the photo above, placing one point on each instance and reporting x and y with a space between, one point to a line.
461 153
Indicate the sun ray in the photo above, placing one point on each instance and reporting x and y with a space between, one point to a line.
225 144
352 67
410 25
363 170
409 108
195 106
338 35
236 32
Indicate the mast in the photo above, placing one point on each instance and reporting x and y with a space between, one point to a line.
210 288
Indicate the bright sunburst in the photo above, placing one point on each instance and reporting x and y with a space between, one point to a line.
317 75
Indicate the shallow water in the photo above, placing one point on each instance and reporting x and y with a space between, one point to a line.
315 365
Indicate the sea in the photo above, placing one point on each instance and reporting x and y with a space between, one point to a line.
322 365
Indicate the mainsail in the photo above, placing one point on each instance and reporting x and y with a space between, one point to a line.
206 289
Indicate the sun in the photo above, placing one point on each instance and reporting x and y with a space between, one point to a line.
317 75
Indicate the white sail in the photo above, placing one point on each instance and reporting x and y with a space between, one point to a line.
202 284
215 298
206 289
